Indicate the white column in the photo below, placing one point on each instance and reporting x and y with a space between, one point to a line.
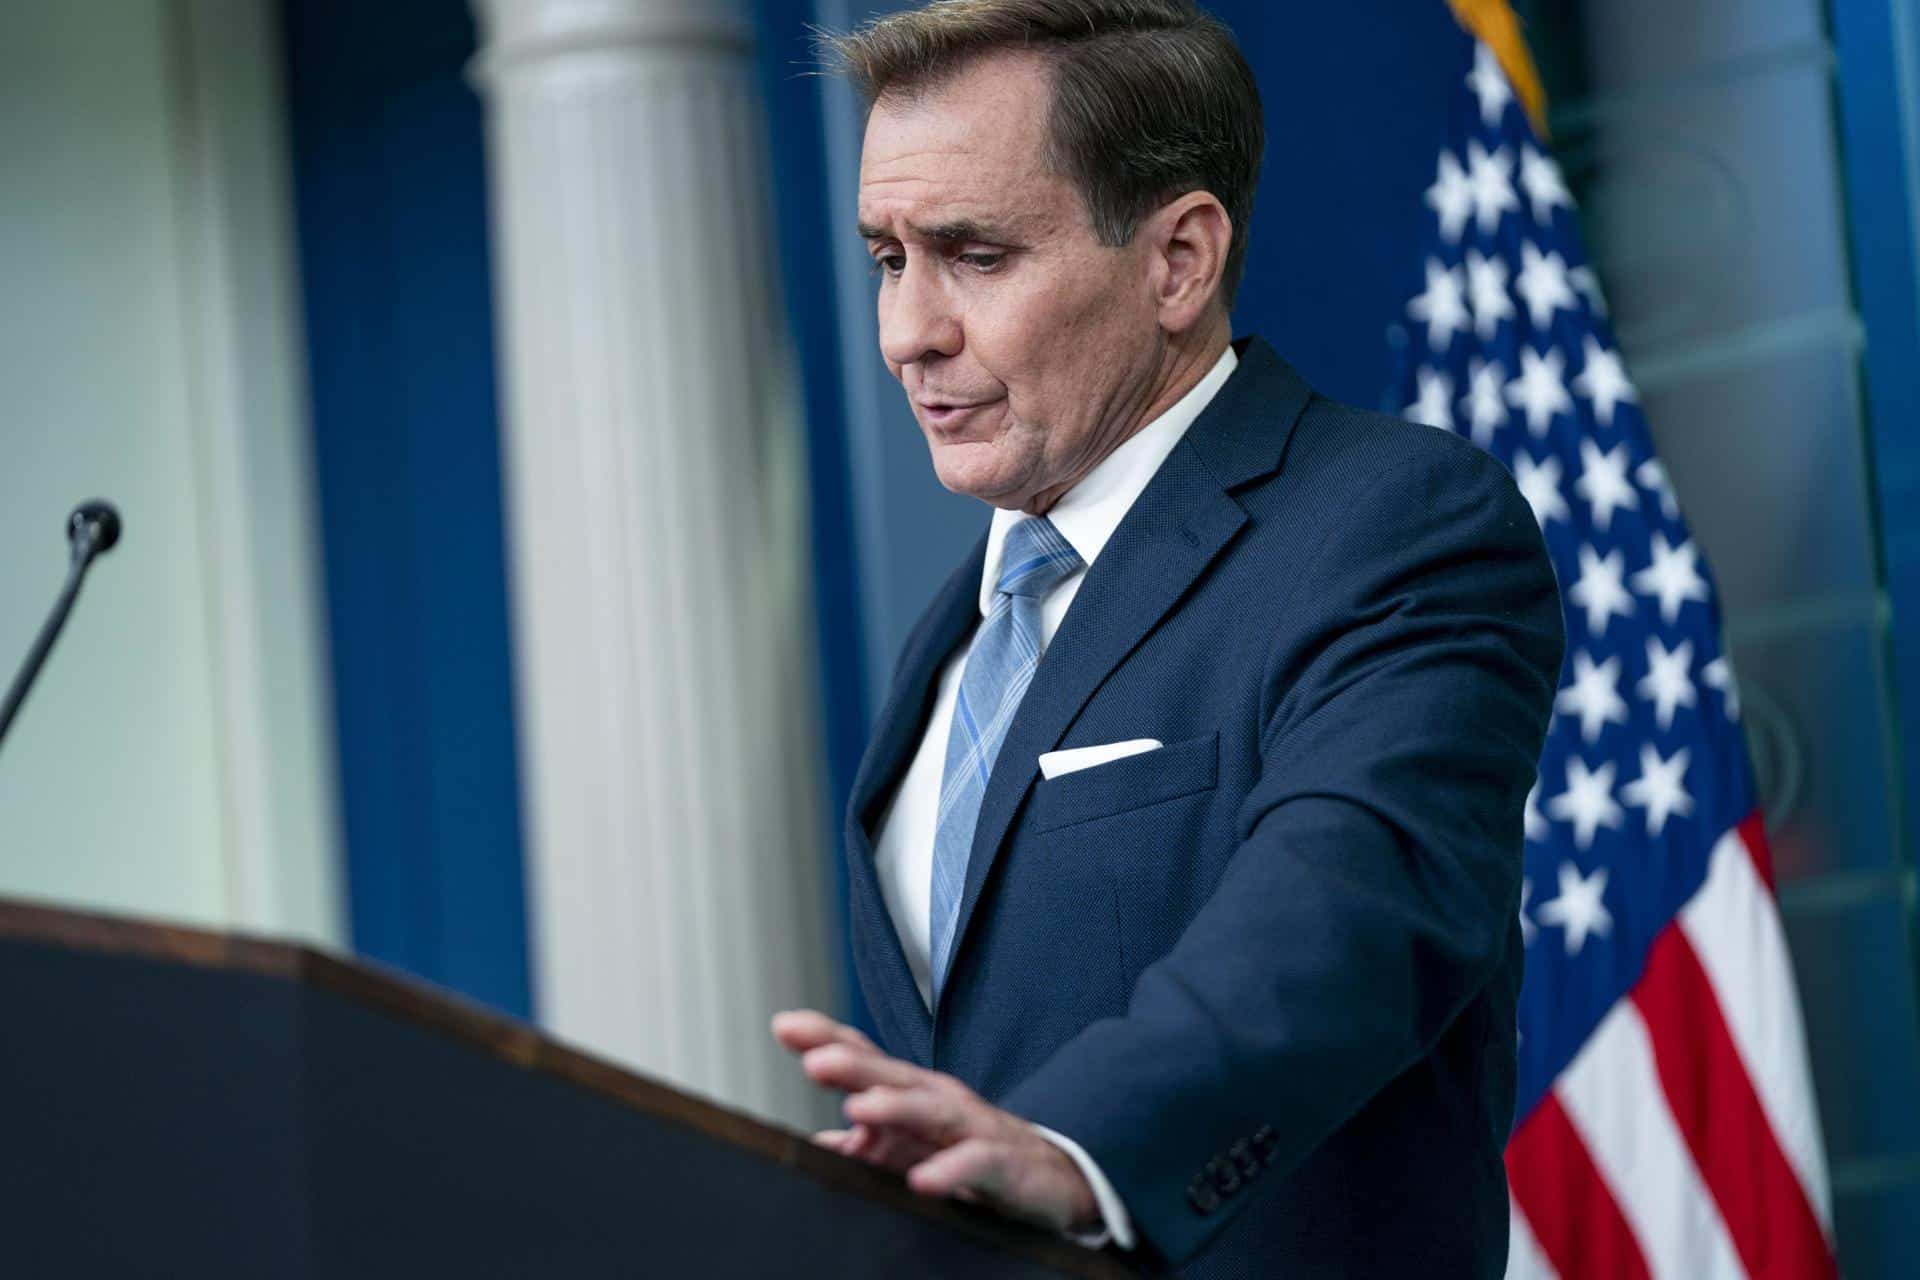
668 722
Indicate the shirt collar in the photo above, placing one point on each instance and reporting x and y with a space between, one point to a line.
1088 513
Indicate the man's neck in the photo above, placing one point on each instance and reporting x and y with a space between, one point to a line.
1185 360
1181 370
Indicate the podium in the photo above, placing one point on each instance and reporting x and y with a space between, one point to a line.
180 1102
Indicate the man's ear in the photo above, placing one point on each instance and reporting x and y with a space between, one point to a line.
1191 236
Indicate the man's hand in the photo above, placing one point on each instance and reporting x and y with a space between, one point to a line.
935 1130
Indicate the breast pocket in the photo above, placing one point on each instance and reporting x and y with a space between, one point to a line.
1132 782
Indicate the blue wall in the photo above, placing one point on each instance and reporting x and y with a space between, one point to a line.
1877 45
392 220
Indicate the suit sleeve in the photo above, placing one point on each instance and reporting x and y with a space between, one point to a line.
1377 873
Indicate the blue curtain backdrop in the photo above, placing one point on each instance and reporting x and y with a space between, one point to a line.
390 209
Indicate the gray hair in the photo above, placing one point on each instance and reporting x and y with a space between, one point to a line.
1151 98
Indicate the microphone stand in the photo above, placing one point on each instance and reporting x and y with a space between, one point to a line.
92 529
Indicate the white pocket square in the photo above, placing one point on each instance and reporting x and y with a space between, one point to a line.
1074 759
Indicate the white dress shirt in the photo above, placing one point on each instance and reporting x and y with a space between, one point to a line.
1086 516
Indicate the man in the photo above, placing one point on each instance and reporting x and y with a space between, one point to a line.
1185 859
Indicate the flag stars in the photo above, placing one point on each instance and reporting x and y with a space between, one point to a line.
1443 307
1594 695
1485 401
1435 404
1546 189
1603 482
1510 346
1588 802
1451 197
1487 290
1581 910
1718 674
1490 177
1604 382
1600 590
1543 285
1539 484
1674 577
1652 475
1489 84
1541 389
1668 684
1658 789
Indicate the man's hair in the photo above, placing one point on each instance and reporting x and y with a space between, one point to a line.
1151 98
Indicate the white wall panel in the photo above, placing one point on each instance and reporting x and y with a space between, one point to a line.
173 760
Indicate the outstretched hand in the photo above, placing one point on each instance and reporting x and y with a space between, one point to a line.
944 1138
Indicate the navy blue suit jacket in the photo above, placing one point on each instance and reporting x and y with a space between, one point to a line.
1266 975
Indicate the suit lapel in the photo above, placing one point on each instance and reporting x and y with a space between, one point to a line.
1158 551
898 1011
1181 522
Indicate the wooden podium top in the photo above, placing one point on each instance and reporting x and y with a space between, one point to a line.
520 1045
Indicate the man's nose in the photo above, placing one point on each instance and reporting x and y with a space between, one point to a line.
917 318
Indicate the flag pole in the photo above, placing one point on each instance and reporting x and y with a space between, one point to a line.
1496 25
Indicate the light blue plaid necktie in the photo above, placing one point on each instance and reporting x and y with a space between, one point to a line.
997 674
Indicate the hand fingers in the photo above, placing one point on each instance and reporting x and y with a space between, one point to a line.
851 1068
989 1171
938 1116
803 1029
976 1165
890 1149
836 1139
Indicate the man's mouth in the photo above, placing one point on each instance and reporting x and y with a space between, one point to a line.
948 413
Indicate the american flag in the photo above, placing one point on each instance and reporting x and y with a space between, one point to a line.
1665 1125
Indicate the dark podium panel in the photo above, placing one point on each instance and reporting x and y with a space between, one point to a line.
176 1102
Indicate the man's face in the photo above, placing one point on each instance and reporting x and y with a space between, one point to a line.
1026 347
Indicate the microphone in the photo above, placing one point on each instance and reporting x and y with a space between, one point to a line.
92 529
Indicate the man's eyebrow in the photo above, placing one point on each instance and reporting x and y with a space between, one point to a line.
956 230
966 229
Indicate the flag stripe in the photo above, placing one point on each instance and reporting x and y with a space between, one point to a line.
1613 1100
1734 928
1525 1259
1573 1216
1753 834
1713 1103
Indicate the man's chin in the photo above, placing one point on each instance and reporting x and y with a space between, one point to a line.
973 470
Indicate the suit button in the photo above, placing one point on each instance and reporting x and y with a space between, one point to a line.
1241 1153
1224 1175
1202 1196
1265 1143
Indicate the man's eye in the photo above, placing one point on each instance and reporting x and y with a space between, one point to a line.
983 261
890 263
